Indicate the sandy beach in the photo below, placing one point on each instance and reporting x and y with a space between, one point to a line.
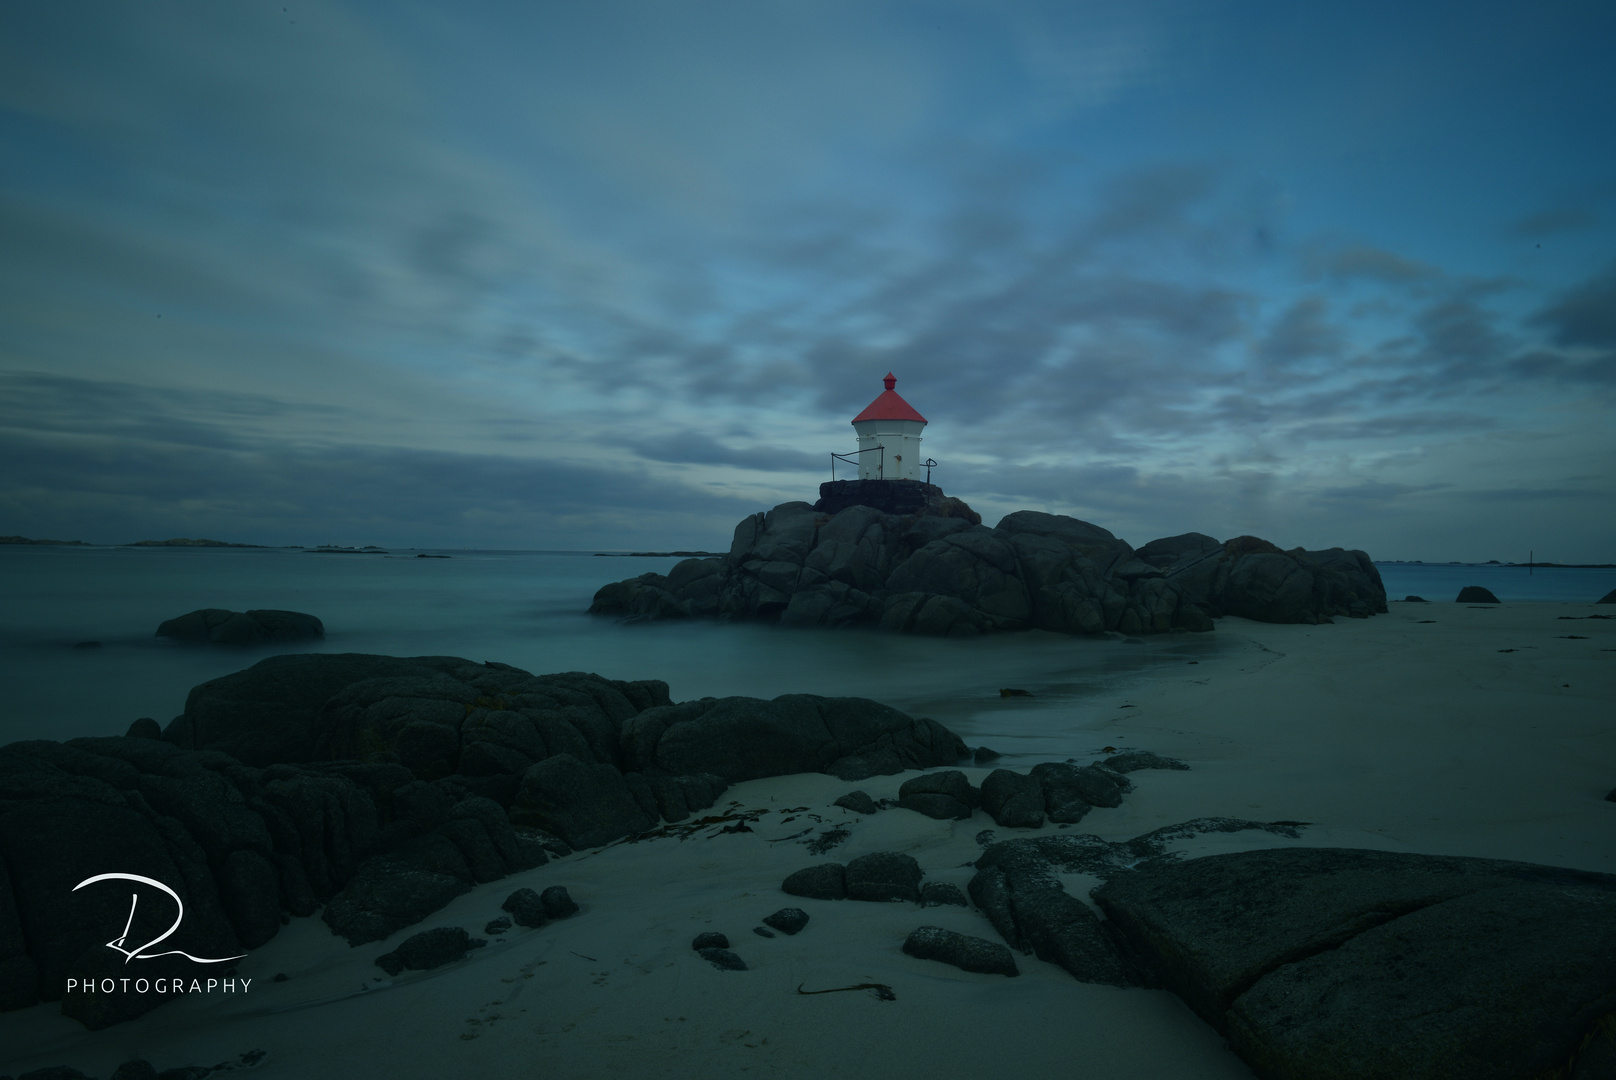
1437 728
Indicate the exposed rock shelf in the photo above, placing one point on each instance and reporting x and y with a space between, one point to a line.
937 570
380 787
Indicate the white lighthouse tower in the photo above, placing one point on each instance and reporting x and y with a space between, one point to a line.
891 423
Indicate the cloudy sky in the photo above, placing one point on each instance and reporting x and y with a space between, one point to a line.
573 275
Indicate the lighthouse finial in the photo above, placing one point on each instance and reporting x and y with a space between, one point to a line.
891 380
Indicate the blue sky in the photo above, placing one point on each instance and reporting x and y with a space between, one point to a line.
613 275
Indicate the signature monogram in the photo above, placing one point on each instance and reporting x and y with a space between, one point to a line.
139 951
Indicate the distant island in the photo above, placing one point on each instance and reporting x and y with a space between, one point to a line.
25 540
657 554
183 542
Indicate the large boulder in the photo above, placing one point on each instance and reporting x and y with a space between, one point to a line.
1348 963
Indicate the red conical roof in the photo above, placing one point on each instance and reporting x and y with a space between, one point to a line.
889 406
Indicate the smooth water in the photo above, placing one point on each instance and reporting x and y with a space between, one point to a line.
528 609
1439 582
521 608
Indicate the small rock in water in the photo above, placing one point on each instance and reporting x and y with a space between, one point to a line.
498 926
858 802
788 920
1475 594
1010 691
558 903
1135 760
982 754
527 907
966 953
1415 600
722 959
711 939
762 931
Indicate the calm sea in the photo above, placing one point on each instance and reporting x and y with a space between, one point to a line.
528 609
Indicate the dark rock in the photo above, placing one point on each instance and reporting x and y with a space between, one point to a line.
1094 784
965 953
222 627
982 755
390 892
822 881
883 876
1612 796
1328 962
558 903
746 739
498 926
1608 598
941 894
763 931
526 907
428 949
712 939
137 1069
1013 800
1475 594
144 728
943 795
586 805
788 920
722 959
858 802
1134 760
249 890
1415 600
935 805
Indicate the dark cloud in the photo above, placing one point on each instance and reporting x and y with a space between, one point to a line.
1372 263
1584 315
1303 332
693 448
1560 219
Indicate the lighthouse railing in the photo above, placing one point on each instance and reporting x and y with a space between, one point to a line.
881 466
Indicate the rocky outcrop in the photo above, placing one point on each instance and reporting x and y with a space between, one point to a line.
1332 963
1322 963
259 627
1475 594
937 570
379 787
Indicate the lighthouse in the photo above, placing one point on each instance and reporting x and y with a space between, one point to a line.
889 437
